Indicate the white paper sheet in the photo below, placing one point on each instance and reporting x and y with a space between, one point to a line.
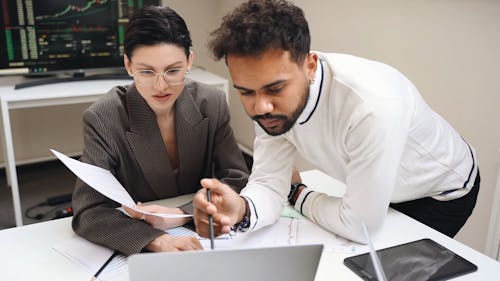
91 257
105 183
292 231
220 241
281 233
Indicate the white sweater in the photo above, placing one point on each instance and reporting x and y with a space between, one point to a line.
366 125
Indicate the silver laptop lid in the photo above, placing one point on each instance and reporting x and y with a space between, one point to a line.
290 263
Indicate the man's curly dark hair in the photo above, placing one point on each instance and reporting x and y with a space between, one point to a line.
260 25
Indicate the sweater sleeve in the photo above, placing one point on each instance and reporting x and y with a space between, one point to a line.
269 182
373 145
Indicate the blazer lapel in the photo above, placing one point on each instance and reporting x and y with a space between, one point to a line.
192 138
147 145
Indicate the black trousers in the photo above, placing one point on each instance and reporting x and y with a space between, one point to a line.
446 217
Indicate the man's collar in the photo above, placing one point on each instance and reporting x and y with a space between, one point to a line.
314 95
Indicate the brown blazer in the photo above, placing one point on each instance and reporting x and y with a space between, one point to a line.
121 135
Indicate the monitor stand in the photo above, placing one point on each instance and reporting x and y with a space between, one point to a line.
77 76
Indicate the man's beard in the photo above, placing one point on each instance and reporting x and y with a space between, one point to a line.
288 122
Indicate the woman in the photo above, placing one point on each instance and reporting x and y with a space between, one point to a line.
158 136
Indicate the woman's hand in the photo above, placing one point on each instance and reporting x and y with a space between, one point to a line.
168 243
155 221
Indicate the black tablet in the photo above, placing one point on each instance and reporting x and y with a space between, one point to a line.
422 260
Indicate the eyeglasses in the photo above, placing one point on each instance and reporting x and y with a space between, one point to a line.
147 77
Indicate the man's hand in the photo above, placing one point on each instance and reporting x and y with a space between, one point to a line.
226 207
155 221
168 243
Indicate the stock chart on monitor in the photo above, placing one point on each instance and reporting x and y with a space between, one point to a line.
40 36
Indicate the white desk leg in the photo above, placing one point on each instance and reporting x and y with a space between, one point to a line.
10 162
2 142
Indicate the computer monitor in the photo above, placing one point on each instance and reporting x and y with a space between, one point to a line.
51 36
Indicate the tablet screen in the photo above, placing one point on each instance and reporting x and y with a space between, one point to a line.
421 260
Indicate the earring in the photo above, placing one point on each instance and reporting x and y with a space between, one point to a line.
311 81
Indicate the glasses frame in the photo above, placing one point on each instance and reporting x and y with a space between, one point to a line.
162 74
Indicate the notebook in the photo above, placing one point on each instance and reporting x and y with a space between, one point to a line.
290 263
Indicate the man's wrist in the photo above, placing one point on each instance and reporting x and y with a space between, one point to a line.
243 209
295 190
243 222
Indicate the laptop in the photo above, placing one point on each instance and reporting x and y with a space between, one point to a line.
290 263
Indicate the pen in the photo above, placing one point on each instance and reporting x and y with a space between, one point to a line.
210 224
94 278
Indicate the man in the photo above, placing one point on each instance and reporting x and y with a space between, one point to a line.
359 121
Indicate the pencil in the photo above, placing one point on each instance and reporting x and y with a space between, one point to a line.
94 278
210 224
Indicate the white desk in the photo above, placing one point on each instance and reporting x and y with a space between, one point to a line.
63 94
27 254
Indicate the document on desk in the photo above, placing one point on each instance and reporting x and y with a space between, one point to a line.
91 257
289 231
286 231
281 233
105 183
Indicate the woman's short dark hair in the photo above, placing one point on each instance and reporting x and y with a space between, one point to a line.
153 25
259 25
